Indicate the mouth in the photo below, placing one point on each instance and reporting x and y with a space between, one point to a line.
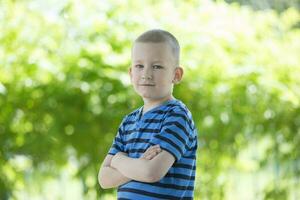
149 85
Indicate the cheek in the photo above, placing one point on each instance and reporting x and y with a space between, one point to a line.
135 78
133 75
165 79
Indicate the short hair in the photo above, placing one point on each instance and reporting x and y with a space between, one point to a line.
158 36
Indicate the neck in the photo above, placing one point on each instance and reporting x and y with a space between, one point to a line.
149 104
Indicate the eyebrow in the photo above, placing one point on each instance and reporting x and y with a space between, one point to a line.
155 61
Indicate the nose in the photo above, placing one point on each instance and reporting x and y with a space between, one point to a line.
148 74
147 77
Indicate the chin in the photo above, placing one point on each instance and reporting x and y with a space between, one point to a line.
145 96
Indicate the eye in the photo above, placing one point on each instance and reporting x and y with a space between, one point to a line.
139 66
157 67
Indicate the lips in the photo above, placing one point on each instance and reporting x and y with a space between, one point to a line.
146 84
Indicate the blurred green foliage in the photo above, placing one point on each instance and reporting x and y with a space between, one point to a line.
64 88
277 5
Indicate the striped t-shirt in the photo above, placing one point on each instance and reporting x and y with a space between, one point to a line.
171 126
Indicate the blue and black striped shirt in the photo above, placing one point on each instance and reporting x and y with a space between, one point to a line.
171 126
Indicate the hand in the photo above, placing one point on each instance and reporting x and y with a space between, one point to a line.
115 157
122 153
151 152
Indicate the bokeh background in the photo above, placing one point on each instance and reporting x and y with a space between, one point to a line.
64 89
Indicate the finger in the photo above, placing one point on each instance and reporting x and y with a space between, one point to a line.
155 146
152 148
156 149
152 155
149 157
153 151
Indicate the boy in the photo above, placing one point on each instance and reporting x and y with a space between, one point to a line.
153 155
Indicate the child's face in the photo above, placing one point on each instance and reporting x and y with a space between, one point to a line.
153 71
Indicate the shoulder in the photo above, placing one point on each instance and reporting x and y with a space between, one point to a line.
180 111
131 116
177 106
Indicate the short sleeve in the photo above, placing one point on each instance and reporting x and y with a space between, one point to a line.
176 134
118 144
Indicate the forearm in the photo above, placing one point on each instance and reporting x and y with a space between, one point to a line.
133 168
110 178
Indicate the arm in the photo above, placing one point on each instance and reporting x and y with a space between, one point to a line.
109 177
142 169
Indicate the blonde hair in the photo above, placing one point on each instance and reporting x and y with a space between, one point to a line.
158 36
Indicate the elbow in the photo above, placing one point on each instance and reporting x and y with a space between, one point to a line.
103 185
152 176
101 180
153 179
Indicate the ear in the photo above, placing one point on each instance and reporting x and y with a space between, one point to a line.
178 75
130 73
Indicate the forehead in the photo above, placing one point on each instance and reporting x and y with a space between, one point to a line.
150 50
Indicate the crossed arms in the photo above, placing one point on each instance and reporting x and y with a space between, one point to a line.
150 167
